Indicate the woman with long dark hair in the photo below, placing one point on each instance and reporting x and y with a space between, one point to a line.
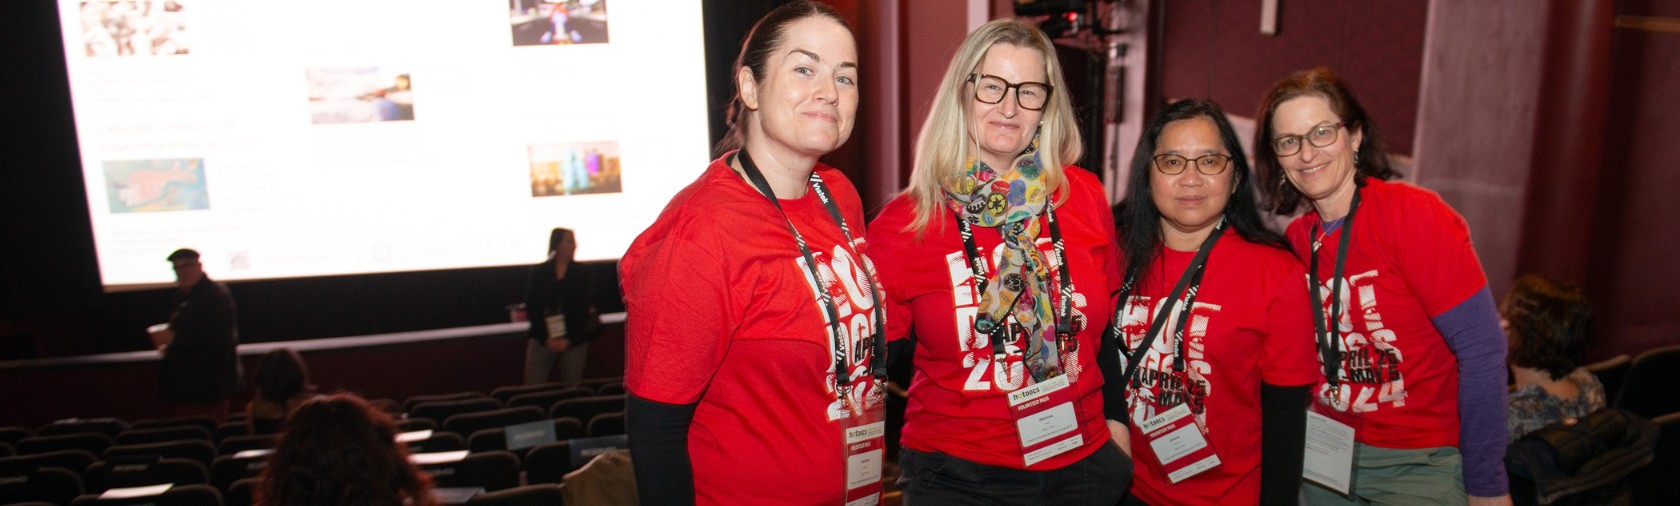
1215 345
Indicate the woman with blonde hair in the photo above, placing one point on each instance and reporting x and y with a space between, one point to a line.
996 255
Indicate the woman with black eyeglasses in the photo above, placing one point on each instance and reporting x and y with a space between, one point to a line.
1407 332
999 257
1214 340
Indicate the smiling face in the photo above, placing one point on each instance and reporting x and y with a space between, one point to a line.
806 103
1190 202
1324 175
1001 131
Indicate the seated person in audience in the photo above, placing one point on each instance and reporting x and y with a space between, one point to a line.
282 384
337 449
1546 321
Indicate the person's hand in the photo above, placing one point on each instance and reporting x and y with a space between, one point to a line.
162 337
559 344
1504 500
1122 436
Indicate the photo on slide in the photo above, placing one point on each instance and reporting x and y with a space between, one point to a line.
359 95
547 23
574 168
133 28
142 186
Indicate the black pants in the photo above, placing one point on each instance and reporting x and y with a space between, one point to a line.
940 479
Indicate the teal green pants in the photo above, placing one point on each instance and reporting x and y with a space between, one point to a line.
1425 476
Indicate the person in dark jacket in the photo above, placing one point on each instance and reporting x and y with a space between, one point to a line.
560 304
200 366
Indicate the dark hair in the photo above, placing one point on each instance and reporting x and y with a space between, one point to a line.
183 254
1549 322
339 450
766 36
1136 216
556 236
281 374
1372 158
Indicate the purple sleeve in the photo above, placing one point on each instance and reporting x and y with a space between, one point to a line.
1471 329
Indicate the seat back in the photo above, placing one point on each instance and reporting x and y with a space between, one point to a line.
47 484
408 405
442 410
606 424
489 470
161 434
202 421
1652 386
439 442
468 423
196 450
228 469
1610 373
615 388
238 444
585 408
549 463
91 442
540 494
544 399
1589 461
241 492
232 429
74 461
179 495
508 392
138 472
414 424
1657 483
11 435
107 426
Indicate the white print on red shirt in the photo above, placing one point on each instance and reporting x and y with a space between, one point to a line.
1370 371
1157 387
848 286
985 373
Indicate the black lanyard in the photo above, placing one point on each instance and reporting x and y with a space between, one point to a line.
1064 321
878 346
1328 352
1188 284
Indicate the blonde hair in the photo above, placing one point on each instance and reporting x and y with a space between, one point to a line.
942 148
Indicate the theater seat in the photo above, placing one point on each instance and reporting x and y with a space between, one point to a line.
541 494
545 398
408 405
1652 385
179 495
140 472
107 426
490 470
508 392
585 408
228 469
201 421
468 423
47 484
91 442
74 461
442 410
161 434
196 450
606 424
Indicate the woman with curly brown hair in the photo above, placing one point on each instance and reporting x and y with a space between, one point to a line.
337 449
1546 322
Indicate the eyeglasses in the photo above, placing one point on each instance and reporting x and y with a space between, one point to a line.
1320 136
991 89
1211 164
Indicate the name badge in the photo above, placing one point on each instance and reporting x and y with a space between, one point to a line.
1179 443
1045 417
1328 459
866 447
556 326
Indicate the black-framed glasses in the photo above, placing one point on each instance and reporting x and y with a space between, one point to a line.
1319 136
1211 164
1029 95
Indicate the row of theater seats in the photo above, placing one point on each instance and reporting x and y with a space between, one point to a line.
74 461
1647 384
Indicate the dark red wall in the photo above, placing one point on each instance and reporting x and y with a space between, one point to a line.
1214 49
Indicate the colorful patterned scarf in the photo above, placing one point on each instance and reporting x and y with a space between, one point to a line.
1020 285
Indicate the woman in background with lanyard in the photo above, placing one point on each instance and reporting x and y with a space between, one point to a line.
1216 344
1408 333
1000 259
753 359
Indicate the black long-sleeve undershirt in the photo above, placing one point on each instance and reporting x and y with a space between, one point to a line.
658 437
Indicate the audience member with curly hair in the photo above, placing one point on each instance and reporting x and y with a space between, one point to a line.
337 449
1547 324
282 384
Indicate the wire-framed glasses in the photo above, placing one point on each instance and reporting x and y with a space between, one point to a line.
1319 136
1029 95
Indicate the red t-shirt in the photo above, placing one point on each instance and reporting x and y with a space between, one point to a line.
723 313
1250 324
958 396
1408 261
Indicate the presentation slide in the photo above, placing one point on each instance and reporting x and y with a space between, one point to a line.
313 138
